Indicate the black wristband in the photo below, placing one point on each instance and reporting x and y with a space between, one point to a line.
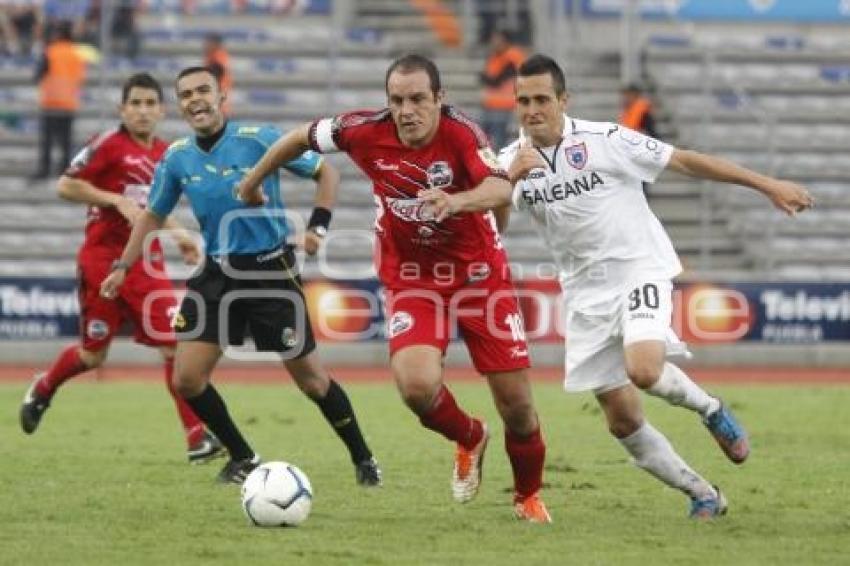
320 217
118 264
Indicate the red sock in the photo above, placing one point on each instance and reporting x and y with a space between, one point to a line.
192 425
526 454
67 365
445 417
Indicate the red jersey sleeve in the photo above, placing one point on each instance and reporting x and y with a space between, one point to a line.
474 148
92 160
340 132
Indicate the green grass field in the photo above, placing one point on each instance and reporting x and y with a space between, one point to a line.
104 482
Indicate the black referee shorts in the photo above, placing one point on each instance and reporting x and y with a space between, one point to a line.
260 294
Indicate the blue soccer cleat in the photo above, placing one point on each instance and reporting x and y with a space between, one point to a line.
730 435
710 507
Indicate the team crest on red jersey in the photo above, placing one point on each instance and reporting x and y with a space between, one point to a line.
577 155
440 175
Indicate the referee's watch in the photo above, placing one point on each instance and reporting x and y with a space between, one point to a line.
319 221
319 230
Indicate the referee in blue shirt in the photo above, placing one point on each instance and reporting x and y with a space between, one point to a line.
248 280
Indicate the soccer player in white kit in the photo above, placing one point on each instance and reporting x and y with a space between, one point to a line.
581 182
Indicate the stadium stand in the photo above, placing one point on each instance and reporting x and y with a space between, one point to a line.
284 74
776 104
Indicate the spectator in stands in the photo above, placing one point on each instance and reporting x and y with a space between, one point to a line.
497 79
60 12
123 31
21 25
60 75
217 60
495 14
637 111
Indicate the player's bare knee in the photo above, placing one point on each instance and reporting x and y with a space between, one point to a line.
313 385
519 416
312 379
188 384
417 392
622 426
644 373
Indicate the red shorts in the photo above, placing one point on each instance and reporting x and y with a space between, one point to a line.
487 315
100 318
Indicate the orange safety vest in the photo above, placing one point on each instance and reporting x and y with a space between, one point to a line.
221 57
60 87
501 96
633 116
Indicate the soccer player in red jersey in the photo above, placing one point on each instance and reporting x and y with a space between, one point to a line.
112 175
437 273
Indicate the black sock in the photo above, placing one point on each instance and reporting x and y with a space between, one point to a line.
210 407
338 412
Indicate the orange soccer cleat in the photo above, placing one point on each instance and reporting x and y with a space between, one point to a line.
466 478
532 509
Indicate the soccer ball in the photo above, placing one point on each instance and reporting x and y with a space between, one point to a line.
277 494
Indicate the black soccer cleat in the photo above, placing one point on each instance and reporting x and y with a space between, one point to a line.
235 471
33 407
368 473
208 448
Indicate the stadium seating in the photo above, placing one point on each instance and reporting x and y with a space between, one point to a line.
779 105
282 71
776 93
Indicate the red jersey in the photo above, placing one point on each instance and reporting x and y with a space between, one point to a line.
412 250
114 162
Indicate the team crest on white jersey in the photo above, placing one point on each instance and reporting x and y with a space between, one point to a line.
440 175
577 155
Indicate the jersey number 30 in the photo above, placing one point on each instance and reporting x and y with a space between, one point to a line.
649 294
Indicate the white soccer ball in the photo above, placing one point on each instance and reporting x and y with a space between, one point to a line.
277 494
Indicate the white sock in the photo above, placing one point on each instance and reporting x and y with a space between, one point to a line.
653 452
675 387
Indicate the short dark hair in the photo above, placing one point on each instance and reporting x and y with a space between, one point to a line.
415 62
140 80
199 69
633 87
214 37
539 64
62 30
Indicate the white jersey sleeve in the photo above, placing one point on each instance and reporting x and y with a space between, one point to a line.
639 155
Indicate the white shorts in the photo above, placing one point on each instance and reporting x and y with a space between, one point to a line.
595 338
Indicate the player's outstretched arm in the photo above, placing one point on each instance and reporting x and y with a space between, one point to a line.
493 192
78 190
788 197
147 223
285 149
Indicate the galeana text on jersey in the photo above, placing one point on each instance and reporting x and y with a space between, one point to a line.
588 206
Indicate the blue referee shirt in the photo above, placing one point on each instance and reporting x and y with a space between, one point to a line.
209 180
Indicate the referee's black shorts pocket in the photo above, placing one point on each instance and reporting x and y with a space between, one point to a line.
282 324
210 282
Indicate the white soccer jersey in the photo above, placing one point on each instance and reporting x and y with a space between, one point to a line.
589 207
